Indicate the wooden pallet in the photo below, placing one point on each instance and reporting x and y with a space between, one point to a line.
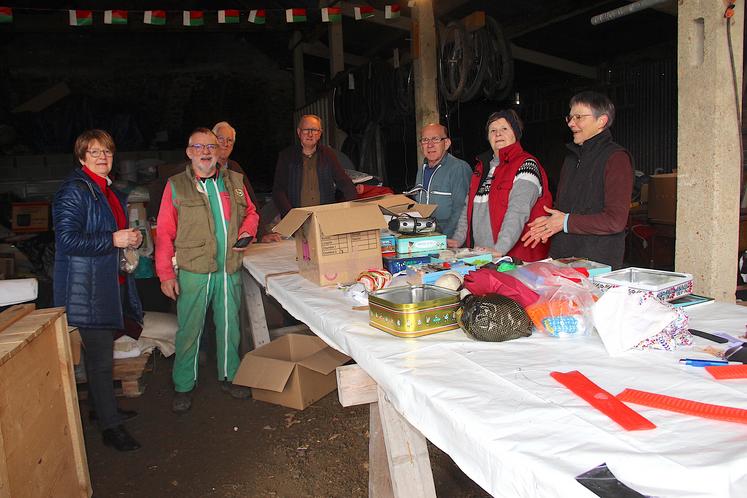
128 374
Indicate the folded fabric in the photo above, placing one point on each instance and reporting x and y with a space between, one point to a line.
487 281
627 320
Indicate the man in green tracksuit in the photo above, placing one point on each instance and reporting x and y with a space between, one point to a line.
203 212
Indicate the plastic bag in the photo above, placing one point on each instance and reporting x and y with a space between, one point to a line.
128 259
493 317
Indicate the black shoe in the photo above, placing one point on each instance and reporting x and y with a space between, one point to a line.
236 391
123 414
182 402
120 439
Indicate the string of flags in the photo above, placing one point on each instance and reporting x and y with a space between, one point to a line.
197 17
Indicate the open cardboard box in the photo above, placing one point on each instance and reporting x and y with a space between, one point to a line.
399 204
335 242
293 371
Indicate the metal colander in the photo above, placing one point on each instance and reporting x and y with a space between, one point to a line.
493 318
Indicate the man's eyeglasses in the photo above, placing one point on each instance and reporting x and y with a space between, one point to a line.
432 140
575 117
311 131
96 153
225 140
201 147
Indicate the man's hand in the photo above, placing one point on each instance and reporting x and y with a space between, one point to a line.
128 237
170 288
452 244
489 250
544 227
271 237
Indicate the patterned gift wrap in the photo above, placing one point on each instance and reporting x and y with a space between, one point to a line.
664 285
413 311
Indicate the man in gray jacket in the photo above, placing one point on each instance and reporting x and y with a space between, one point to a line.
443 178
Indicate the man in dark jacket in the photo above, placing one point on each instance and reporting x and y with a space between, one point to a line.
596 181
308 173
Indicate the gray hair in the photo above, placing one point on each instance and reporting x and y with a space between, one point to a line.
224 124
599 103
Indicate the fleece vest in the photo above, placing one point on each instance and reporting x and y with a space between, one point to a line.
195 243
511 157
581 191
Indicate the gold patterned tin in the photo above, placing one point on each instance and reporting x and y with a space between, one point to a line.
414 310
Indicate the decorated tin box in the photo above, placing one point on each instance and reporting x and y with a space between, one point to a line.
413 311
395 263
419 243
666 285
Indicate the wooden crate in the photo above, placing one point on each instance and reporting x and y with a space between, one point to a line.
41 438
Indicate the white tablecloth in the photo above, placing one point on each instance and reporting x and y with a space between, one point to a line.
513 429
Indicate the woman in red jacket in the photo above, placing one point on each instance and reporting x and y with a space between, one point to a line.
508 190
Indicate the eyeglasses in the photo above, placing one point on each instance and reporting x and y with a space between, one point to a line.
432 140
225 140
96 153
575 117
311 131
202 147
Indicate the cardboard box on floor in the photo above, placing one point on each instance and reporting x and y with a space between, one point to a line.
662 198
334 242
293 371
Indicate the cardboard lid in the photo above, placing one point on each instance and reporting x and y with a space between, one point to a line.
292 222
399 203
324 361
351 219
264 373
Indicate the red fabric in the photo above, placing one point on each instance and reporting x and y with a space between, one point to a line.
374 191
488 281
511 157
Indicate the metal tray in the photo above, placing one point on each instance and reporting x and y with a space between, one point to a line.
413 311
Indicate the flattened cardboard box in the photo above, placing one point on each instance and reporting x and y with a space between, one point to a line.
399 204
335 242
293 371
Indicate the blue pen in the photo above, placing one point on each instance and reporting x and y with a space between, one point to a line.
694 362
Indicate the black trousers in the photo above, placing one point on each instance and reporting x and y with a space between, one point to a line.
98 354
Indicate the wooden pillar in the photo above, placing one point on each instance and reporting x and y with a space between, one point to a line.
299 85
708 152
336 65
425 66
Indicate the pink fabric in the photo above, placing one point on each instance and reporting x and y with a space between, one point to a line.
487 281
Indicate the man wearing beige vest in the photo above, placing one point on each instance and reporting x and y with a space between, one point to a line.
204 211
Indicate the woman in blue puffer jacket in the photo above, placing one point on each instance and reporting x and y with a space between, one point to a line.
90 230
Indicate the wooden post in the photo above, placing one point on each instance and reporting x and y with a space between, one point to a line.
255 310
425 65
299 85
336 65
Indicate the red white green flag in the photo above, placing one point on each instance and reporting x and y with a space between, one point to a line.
230 16
391 11
115 17
363 12
6 15
193 18
81 17
295 15
331 14
154 17
257 16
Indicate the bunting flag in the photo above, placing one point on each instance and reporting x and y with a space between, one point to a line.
331 14
391 11
6 15
257 16
230 16
295 15
115 17
193 18
81 17
154 17
363 12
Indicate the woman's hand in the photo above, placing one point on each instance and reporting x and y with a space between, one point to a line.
544 227
129 237
452 244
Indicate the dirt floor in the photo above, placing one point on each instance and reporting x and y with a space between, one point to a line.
232 448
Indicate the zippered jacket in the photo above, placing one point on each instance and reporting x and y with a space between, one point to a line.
448 190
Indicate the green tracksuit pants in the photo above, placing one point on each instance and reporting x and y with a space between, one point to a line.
196 292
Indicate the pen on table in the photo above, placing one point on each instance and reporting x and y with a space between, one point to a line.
695 362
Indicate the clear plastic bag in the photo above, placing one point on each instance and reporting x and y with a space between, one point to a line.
128 259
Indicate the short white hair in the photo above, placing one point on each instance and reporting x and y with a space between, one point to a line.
224 124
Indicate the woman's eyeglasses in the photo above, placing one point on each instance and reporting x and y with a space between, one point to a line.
96 153
575 117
